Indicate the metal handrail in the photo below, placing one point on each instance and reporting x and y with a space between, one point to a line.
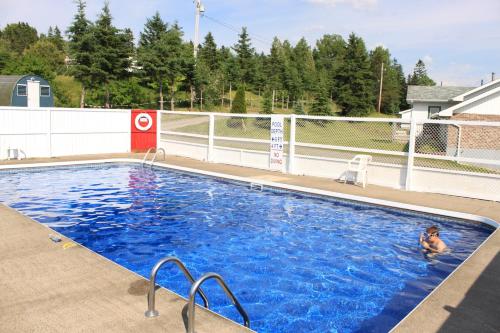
147 153
156 153
194 290
151 312
157 150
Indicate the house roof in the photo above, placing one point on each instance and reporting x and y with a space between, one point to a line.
434 93
7 83
456 108
477 91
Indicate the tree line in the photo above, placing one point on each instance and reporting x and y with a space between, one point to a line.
161 70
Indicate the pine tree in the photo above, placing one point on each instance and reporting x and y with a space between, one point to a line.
209 53
419 77
81 46
355 94
176 59
57 39
391 86
239 106
298 109
244 54
150 53
266 106
321 103
267 103
329 56
111 58
303 61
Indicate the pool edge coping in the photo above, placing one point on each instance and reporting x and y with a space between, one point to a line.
295 188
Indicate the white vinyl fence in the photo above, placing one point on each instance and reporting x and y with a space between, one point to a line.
450 157
48 132
440 156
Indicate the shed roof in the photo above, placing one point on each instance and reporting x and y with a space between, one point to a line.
7 83
434 93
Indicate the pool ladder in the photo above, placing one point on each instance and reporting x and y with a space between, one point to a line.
157 150
195 289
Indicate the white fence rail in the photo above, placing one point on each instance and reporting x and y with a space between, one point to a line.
441 156
47 132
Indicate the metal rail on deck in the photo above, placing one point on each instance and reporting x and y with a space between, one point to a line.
157 150
196 288
151 312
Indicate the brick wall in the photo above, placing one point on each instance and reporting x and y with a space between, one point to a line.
476 137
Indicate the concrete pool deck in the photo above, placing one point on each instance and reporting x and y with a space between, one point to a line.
42 293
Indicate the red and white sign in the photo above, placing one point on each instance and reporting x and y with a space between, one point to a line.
143 122
276 149
143 129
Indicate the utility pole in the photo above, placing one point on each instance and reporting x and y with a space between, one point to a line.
492 76
381 84
199 9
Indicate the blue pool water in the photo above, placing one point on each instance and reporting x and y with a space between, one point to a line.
296 263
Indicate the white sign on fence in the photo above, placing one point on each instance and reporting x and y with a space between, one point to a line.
276 151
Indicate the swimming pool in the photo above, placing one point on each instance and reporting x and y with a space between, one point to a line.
297 263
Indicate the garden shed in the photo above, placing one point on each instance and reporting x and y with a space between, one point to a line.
25 90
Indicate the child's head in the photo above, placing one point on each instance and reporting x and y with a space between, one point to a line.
432 231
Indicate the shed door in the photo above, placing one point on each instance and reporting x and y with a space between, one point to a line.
33 94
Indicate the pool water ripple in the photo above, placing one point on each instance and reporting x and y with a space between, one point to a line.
297 263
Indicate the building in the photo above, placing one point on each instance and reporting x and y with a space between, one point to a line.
25 90
457 103
481 103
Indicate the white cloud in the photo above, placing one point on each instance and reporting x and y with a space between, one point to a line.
359 4
427 59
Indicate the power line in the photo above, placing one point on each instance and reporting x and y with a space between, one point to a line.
238 30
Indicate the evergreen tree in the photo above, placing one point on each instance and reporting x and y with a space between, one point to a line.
208 53
81 46
419 77
113 50
266 106
403 85
321 104
303 61
329 56
176 57
266 103
19 36
244 55
298 109
391 89
150 53
239 106
355 94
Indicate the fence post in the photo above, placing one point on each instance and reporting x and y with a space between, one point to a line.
49 132
411 154
211 131
291 145
158 129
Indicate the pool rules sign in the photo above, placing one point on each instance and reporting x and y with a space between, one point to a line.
276 151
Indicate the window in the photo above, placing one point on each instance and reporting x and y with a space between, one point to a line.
44 91
21 90
433 110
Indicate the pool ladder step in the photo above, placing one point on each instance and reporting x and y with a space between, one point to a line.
157 150
195 289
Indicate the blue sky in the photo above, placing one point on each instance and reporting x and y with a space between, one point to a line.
459 40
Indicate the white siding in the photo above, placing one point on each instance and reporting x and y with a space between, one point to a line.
490 105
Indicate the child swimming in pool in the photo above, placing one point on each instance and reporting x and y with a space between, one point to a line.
431 241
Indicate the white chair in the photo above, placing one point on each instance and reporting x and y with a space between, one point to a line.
358 167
